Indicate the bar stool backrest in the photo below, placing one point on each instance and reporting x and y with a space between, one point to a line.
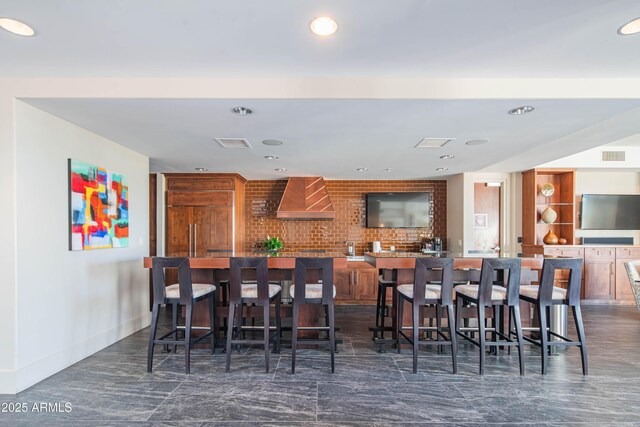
325 265
435 270
510 268
547 279
158 267
260 265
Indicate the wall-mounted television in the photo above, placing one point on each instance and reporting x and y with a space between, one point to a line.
398 210
610 212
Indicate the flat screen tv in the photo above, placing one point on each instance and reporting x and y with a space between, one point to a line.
610 212
397 210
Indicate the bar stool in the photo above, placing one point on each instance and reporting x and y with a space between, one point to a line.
382 310
261 294
438 292
545 296
490 293
183 293
633 273
313 293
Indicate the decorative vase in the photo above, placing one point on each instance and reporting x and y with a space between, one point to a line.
549 216
562 241
547 190
550 238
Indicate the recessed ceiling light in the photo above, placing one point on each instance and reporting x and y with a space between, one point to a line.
280 169
441 169
201 169
272 142
362 169
521 110
323 26
447 156
16 27
242 111
271 157
632 27
433 142
477 141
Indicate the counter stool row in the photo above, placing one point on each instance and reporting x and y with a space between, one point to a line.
258 293
499 287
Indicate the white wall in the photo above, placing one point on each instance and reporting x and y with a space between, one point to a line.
608 182
71 304
8 283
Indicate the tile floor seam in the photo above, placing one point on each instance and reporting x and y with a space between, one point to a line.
466 400
164 400
317 399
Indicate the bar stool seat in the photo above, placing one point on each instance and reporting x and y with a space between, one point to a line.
471 291
251 290
430 291
199 289
531 291
312 291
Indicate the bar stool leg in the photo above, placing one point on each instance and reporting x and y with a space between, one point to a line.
278 325
518 322
382 310
458 315
265 311
416 335
230 324
187 338
543 338
399 315
438 327
212 318
577 316
332 334
174 324
453 337
152 336
482 336
294 336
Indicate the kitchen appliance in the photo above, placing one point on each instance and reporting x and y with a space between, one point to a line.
437 244
426 246
376 247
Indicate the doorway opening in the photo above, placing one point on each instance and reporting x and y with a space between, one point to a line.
487 218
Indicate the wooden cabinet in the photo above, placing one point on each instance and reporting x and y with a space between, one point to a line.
624 292
357 284
343 281
599 274
534 203
205 213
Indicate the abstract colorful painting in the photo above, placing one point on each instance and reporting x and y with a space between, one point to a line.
99 207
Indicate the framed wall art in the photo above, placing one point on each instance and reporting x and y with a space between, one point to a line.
98 208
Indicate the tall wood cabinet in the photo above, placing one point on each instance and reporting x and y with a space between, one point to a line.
204 213
534 203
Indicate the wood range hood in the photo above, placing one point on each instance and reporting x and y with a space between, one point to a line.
305 198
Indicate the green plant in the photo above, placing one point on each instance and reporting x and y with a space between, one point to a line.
272 243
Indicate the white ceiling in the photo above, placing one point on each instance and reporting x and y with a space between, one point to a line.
376 39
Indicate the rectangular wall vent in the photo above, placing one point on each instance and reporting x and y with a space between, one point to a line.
433 142
613 156
233 142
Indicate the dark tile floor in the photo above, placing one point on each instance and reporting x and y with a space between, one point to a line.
368 388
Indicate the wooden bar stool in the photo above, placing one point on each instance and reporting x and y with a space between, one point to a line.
262 294
183 293
545 296
382 310
493 293
313 293
425 290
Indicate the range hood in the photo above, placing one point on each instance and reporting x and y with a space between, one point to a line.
305 198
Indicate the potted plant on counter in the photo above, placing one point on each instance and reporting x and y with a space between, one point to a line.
272 244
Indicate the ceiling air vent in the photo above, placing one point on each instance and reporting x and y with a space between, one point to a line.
433 142
613 156
233 142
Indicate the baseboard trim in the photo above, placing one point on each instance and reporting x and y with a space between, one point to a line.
33 373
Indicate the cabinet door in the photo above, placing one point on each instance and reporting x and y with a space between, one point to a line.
623 287
212 229
178 237
366 284
344 284
599 279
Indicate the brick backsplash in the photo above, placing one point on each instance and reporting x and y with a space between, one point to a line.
348 198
